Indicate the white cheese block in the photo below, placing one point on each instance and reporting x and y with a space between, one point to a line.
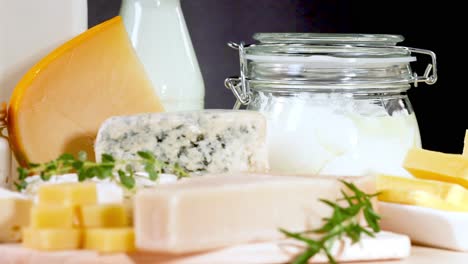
211 141
215 211
427 226
14 214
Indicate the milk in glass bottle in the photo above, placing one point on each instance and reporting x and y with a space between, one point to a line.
159 34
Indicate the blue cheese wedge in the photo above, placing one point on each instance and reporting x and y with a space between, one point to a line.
211 141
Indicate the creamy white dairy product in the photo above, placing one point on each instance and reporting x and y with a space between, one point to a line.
107 191
161 39
7 194
211 141
14 214
324 134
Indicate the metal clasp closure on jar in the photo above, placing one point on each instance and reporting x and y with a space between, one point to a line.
240 85
430 67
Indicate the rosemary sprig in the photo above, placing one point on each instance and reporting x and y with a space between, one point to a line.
344 222
108 168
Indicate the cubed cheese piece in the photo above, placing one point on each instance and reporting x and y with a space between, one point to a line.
68 194
426 193
105 215
209 212
14 214
432 165
110 240
52 216
52 239
211 141
465 146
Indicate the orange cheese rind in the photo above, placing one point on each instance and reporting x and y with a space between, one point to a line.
60 103
17 96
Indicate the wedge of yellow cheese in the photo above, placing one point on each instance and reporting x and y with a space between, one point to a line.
73 194
432 165
465 146
52 216
110 240
52 239
14 214
103 215
59 105
425 193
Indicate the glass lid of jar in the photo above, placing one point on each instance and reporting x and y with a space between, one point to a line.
329 38
321 62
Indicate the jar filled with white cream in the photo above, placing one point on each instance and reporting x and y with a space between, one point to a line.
335 103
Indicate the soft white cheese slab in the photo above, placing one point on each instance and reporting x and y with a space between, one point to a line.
427 226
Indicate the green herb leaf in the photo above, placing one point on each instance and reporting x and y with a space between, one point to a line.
107 158
82 175
146 155
66 156
179 171
152 173
107 169
20 185
22 173
344 222
126 180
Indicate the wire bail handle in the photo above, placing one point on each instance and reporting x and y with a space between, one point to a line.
431 67
239 85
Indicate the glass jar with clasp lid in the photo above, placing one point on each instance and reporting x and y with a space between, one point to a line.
336 104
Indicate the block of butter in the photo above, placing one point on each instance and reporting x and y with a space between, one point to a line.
425 193
215 211
432 165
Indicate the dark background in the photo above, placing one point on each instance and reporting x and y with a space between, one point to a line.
435 25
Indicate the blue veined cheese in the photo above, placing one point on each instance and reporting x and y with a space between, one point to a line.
210 141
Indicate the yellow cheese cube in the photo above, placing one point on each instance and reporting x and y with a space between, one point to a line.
110 240
426 193
52 216
104 215
419 198
465 146
52 239
68 194
432 165
14 214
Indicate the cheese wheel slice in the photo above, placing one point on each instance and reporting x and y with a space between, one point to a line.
58 106
465 146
